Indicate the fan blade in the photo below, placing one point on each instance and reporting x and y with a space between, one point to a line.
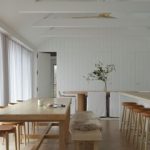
105 15
85 17
101 15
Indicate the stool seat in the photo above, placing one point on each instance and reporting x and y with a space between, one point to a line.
128 103
146 114
6 128
146 109
135 106
139 110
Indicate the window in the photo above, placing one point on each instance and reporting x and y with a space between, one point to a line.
20 72
15 71
1 71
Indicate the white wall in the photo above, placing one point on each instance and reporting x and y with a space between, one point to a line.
76 57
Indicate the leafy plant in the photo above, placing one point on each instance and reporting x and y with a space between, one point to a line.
101 72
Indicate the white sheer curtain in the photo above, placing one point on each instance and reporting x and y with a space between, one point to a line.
15 78
26 74
1 72
20 72
4 89
15 71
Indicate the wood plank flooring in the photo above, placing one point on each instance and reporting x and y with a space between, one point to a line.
112 140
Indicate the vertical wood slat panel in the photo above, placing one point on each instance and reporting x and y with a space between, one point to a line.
77 56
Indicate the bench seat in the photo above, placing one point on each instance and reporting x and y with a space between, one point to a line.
92 136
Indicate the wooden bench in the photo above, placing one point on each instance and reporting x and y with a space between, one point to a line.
93 136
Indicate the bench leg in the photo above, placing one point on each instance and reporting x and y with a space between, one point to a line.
77 145
96 145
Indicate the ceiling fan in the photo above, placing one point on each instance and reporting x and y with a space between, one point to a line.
100 15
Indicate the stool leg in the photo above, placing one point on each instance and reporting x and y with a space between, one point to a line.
28 130
7 140
139 132
129 124
132 125
18 136
33 127
15 140
24 126
123 120
143 133
21 133
135 128
147 134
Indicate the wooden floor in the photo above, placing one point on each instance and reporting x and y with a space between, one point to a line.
112 140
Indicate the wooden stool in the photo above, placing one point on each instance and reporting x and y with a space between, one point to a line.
131 120
18 126
137 130
4 132
145 131
125 115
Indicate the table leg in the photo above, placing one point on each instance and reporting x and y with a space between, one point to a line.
28 130
82 102
107 104
62 138
18 136
67 126
7 140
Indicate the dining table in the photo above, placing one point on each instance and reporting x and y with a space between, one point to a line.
49 110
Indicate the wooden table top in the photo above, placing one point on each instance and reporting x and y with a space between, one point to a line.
75 92
30 111
140 95
120 91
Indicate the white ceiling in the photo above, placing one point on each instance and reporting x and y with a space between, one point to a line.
36 20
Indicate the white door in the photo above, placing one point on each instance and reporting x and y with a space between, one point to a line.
44 75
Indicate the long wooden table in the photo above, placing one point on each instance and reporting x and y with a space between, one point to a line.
142 95
30 111
81 97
